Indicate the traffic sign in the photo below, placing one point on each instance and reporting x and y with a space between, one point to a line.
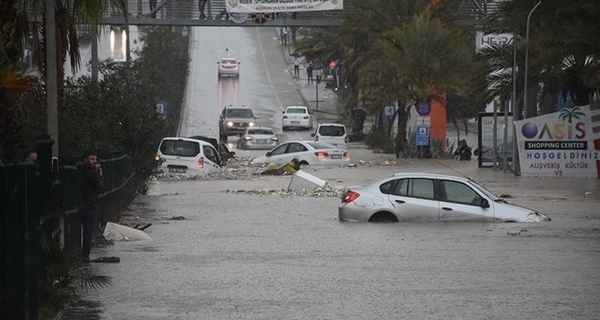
422 135
161 108
423 108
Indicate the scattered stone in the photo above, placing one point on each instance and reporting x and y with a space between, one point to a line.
177 218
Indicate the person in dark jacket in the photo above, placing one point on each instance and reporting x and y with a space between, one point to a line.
93 184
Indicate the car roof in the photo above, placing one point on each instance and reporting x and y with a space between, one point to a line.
332 124
203 142
305 107
429 175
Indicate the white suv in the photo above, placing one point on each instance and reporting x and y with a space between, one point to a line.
177 155
334 133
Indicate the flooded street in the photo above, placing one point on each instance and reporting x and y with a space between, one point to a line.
241 255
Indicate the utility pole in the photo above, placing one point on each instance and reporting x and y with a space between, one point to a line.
526 58
51 81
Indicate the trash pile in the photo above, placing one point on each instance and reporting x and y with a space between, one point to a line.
328 191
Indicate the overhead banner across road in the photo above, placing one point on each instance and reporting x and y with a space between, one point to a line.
258 6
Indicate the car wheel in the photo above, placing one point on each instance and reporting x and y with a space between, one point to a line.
303 163
383 217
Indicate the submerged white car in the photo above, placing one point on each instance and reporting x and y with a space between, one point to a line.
429 197
307 152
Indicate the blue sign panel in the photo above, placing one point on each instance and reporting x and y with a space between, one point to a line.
422 135
161 108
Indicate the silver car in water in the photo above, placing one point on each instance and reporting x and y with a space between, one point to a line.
429 197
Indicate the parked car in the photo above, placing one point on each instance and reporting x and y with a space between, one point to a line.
228 67
258 138
224 152
297 117
234 120
429 197
334 133
180 155
307 152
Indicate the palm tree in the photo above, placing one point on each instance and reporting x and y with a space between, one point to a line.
564 54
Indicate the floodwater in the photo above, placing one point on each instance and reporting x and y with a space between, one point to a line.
240 255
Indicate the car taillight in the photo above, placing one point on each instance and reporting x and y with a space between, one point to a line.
248 138
347 154
285 117
350 196
321 154
305 117
157 158
201 163
274 138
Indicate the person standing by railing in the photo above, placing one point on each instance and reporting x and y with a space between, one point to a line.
93 184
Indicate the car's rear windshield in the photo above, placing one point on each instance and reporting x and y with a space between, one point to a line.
321 145
239 113
260 131
296 110
225 61
180 148
333 131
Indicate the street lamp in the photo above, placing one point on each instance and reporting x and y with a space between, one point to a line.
526 58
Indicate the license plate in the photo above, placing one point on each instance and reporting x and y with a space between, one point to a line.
177 170
336 156
295 122
261 141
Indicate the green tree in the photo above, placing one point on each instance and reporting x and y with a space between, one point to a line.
399 51
564 52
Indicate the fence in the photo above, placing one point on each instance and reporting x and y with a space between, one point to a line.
44 200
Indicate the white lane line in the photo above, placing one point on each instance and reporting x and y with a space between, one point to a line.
262 51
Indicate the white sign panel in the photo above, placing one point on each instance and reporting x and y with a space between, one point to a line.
561 144
490 40
257 6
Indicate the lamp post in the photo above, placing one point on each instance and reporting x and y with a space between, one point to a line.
317 91
526 58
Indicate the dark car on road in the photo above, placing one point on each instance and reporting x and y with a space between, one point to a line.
234 120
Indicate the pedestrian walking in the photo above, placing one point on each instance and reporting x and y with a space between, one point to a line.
296 67
284 35
93 184
201 6
309 73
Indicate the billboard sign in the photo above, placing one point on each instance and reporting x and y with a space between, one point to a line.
561 144
268 6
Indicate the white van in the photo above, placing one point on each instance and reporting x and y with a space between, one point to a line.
334 133
177 155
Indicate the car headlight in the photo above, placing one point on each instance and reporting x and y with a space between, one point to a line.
251 124
229 124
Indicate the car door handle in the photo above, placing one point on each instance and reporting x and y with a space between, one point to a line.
400 201
446 209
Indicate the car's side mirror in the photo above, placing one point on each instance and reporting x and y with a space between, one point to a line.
312 134
268 153
485 203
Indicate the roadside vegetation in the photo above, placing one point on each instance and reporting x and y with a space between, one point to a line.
410 51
